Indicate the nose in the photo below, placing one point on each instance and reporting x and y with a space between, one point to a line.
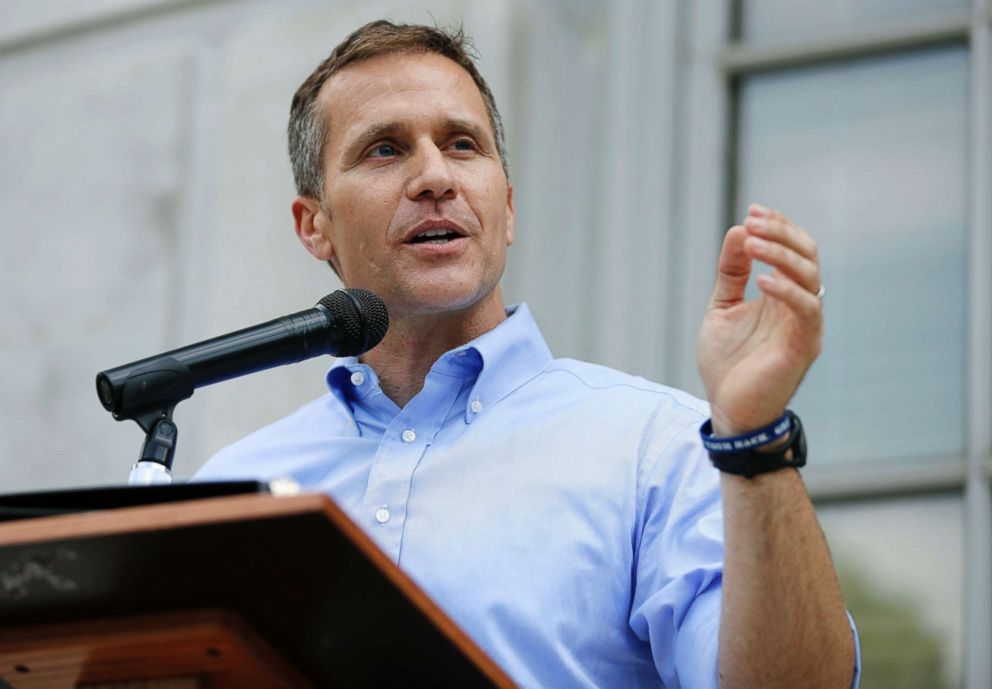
432 176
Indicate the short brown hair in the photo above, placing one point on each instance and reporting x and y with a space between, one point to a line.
308 130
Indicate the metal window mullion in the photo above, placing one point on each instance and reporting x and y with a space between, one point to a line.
978 502
742 58
871 480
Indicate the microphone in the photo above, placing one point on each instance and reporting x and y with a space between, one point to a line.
347 322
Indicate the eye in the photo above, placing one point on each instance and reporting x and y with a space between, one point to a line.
463 145
382 151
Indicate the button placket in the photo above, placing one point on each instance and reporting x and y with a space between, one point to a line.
403 445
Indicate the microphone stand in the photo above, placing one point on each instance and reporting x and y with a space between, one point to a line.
154 465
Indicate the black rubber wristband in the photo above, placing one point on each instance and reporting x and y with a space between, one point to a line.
777 429
750 463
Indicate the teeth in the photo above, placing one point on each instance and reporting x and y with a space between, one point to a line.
436 233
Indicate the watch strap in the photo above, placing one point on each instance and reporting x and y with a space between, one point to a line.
776 430
750 462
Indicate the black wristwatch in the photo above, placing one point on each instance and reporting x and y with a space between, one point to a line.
738 455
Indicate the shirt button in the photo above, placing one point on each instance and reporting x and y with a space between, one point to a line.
409 435
357 378
476 406
382 516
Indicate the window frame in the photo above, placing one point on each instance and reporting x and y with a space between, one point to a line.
715 61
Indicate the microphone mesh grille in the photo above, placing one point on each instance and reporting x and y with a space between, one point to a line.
363 318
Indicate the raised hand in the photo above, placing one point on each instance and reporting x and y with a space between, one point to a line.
753 354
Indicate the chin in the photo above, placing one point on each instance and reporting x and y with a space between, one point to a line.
448 300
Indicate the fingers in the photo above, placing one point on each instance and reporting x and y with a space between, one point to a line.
801 301
733 269
774 240
770 224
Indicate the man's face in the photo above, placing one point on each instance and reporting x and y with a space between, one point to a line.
416 205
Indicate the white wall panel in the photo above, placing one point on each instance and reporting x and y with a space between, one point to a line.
554 117
93 147
21 17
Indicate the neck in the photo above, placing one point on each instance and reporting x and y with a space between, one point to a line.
414 342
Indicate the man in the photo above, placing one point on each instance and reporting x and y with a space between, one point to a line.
565 515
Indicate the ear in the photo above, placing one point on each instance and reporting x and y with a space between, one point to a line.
511 228
312 227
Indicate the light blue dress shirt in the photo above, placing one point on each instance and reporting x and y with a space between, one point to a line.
563 514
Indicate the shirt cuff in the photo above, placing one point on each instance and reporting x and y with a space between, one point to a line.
857 653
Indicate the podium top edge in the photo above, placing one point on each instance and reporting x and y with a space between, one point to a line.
159 517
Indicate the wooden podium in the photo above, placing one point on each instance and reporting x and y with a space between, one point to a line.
245 592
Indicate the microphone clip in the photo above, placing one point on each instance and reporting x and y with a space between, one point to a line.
154 465
149 395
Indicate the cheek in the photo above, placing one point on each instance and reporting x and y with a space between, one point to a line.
362 216
499 224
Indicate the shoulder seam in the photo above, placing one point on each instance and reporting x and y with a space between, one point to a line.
654 390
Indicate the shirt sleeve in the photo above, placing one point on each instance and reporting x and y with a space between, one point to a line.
679 560
679 566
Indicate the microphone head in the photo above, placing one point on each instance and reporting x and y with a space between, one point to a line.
363 318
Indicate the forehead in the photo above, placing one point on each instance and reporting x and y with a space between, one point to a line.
422 88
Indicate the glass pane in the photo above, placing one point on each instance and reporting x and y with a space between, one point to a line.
870 157
900 564
788 20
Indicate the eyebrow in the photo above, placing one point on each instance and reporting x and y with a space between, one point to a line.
371 134
391 128
470 127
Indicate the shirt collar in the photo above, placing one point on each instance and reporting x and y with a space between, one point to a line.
501 360
512 353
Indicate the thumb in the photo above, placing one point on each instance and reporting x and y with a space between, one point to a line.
733 270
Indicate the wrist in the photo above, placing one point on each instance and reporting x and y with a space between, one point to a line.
724 427
778 445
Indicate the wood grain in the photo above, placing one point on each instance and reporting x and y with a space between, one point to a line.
209 648
170 683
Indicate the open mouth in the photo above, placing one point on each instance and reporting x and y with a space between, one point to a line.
435 237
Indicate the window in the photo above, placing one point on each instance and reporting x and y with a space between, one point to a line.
870 123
